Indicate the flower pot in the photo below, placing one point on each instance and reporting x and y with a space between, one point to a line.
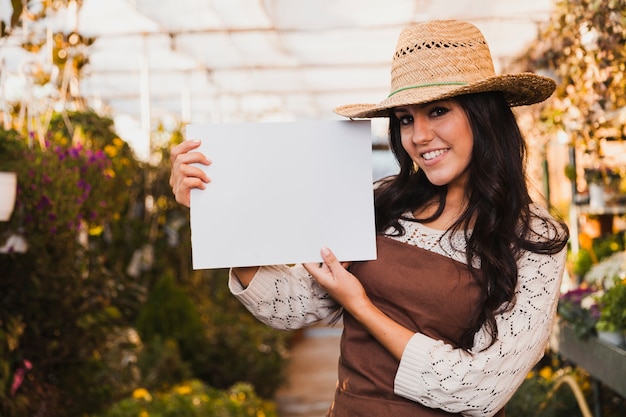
8 187
612 338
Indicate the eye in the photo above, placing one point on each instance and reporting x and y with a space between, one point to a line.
404 119
438 111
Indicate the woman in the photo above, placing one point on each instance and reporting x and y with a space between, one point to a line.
459 304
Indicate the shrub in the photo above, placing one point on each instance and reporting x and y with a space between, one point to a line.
88 211
170 317
59 291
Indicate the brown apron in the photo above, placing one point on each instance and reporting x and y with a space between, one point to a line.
423 291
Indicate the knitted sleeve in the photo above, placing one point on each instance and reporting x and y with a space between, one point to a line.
284 297
480 382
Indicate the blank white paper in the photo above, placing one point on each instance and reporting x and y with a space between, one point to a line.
281 191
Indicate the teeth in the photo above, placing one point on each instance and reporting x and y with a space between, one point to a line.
433 154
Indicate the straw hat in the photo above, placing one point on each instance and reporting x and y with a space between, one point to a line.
446 58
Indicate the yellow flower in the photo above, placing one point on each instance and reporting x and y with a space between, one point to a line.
238 397
144 413
96 230
183 389
142 394
546 373
111 151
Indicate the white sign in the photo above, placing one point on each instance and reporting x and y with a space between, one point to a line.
281 191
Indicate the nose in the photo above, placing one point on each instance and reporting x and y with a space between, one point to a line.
422 132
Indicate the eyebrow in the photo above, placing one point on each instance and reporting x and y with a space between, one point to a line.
422 105
403 109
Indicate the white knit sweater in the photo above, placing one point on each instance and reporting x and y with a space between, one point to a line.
475 383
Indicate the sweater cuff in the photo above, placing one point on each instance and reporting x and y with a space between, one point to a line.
261 284
415 359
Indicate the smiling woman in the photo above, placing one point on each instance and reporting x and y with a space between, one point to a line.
455 227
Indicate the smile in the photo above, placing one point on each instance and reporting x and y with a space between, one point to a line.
433 154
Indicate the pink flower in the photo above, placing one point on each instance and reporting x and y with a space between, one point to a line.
18 376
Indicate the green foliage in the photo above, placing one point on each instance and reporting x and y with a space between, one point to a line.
582 262
64 297
531 399
161 364
169 315
613 307
260 351
546 392
219 340
600 248
194 399
584 45
11 150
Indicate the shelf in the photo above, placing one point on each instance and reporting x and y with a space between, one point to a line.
604 362
599 211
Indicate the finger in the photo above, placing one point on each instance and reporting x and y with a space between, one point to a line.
310 266
314 268
188 177
183 148
330 259
320 271
183 167
190 158
188 171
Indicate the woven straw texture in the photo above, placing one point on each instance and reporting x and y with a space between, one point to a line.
443 59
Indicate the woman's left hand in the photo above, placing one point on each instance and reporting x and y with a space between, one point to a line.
348 291
340 284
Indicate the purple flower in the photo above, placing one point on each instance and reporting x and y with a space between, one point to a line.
577 295
595 311
74 152
61 153
84 185
43 203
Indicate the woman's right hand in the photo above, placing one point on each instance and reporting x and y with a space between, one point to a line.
184 177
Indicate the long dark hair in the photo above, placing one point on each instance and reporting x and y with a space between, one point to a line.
498 212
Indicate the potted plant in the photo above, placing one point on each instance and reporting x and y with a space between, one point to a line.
8 187
612 322
10 148
578 309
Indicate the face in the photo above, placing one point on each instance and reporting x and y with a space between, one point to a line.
438 138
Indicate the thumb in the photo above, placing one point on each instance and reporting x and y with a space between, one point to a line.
330 259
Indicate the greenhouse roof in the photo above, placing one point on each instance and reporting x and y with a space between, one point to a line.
252 60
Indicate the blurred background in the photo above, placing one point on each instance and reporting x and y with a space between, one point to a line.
100 311
147 62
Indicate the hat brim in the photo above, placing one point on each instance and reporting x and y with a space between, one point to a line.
518 89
